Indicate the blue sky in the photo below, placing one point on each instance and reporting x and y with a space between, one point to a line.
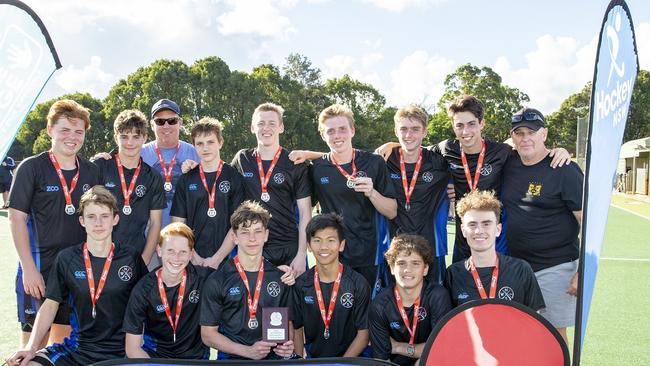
404 48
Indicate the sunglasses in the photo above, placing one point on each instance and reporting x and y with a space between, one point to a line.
170 121
529 116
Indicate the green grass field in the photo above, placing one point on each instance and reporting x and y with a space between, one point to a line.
617 333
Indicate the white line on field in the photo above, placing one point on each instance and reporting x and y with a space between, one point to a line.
632 212
625 259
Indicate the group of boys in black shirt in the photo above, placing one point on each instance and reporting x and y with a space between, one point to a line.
261 204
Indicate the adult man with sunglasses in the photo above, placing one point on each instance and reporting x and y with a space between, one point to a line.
544 210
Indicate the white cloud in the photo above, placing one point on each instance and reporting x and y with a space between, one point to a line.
399 5
363 68
260 17
642 33
419 78
90 78
555 69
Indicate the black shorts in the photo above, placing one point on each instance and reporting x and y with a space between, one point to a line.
27 307
5 187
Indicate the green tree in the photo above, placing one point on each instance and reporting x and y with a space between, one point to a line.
638 123
500 100
562 124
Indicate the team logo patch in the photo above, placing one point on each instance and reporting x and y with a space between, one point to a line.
109 185
394 325
140 190
347 300
224 187
427 177
160 308
309 299
486 169
454 166
80 275
323 180
362 174
248 175
278 178
234 291
194 296
30 311
51 188
534 189
192 187
85 187
506 293
273 289
463 296
125 273
394 176
422 314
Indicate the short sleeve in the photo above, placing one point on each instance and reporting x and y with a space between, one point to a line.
440 304
22 189
136 311
211 300
296 310
379 332
302 181
534 298
158 201
238 192
57 289
572 187
381 181
179 203
361 303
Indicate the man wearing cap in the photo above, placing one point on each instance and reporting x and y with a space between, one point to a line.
544 210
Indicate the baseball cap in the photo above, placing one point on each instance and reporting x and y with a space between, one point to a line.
528 117
165 104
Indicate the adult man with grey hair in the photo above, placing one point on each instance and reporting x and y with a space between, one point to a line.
544 210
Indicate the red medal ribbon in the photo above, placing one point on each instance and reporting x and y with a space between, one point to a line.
212 194
67 193
167 172
345 174
319 295
264 178
179 301
479 164
408 188
479 284
94 296
127 192
402 312
252 304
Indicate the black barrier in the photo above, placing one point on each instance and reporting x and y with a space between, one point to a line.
321 361
494 332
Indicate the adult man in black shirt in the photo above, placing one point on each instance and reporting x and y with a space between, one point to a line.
95 278
485 271
330 301
356 185
153 323
234 296
207 195
42 210
271 179
544 209
402 317
420 179
137 188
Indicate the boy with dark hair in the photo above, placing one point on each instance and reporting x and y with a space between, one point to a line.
95 278
207 195
330 301
402 317
234 295
137 188
162 296
486 273
42 210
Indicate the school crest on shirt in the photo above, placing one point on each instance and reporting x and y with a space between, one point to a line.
347 300
224 187
125 273
273 289
278 178
427 177
193 297
85 187
534 189
506 293
486 169
140 190
422 314
361 174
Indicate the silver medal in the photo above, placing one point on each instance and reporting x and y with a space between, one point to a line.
252 323
407 207
212 212
168 186
126 210
326 334
94 314
350 183
266 196
69 209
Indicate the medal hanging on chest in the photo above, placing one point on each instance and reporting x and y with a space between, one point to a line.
350 183
94 294
327 317
126 193
266 177
409 187
67 193
167 172
252 303
212 194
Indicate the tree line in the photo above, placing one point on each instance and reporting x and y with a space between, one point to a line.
209 88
